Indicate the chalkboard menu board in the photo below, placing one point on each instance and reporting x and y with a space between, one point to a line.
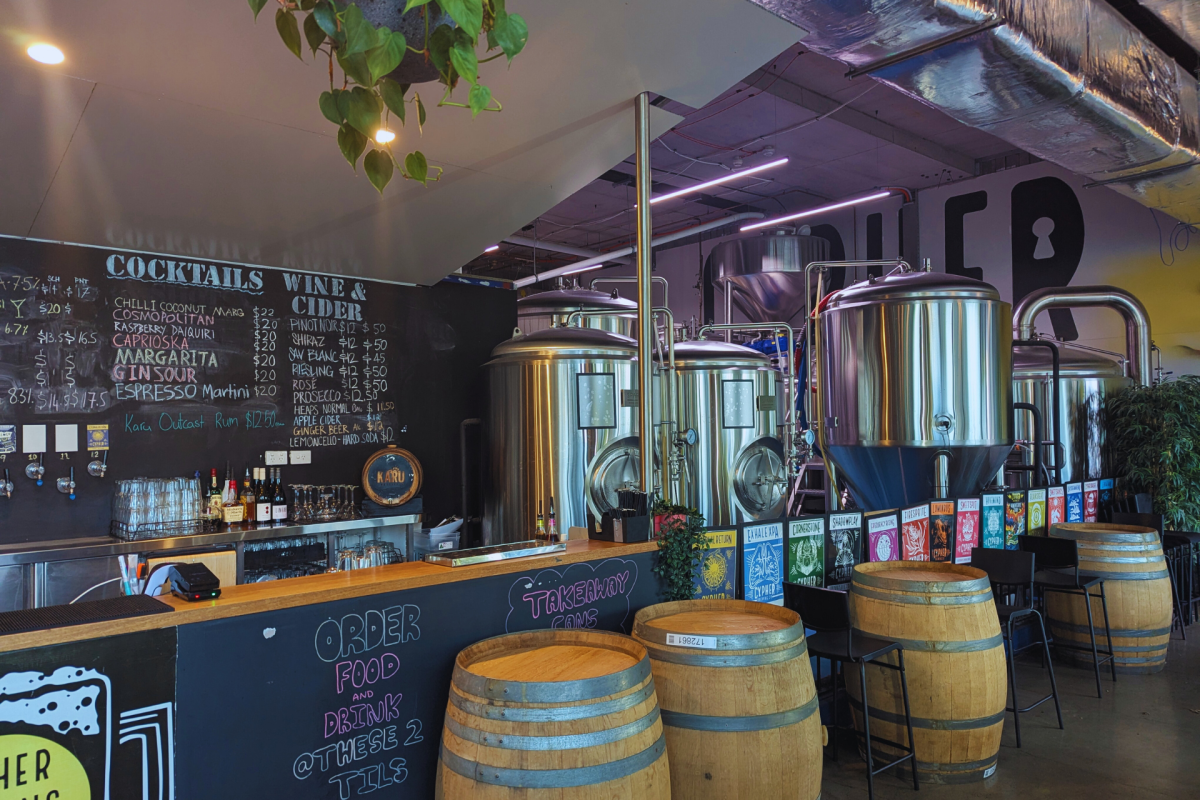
344 699
193 363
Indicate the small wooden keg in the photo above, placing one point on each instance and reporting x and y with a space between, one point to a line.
559 714
739 705
946 619
1136 587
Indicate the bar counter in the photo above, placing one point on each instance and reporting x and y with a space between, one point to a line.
329 686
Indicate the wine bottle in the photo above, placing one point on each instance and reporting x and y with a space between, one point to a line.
262 494
279 509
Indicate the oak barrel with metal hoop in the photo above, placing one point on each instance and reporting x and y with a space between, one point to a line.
945 617
560 714
739 705
1138 590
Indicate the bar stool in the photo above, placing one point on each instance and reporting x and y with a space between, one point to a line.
1054 554
827 612
1011 573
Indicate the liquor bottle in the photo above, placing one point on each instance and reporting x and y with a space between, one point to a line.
232 510
248 499
539 532
552 528
262 505
215 501
279 509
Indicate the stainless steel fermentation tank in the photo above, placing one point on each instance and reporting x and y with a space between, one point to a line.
763 273
733 468
544 310
1087 377
916 378
562 422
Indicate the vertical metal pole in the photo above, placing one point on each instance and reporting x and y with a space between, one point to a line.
645 306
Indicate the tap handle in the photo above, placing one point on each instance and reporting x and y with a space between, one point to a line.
71 496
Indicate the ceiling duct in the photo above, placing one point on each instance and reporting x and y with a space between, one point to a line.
1069 81
1181 16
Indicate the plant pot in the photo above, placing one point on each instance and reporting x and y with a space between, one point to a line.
415 67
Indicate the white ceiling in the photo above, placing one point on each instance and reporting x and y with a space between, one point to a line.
184 127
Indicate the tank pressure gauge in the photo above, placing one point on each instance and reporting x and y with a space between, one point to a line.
690 437
810 437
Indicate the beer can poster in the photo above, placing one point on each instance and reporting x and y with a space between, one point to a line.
991 533
92 719
843 546
762 562
967 529
1056 505
1091 500
1014 517
883 536
806 551
914 533
1074 502
941 530
1037 512
716 576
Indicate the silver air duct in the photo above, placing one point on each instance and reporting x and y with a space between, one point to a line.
1181 16
1070 81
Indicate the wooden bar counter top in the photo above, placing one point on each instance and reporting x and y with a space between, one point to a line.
291 592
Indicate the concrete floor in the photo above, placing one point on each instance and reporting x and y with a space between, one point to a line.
1142 740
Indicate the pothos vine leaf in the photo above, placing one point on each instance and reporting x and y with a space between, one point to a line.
378 166
367 54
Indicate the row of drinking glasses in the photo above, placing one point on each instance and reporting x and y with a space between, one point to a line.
323 503
375 553
145 502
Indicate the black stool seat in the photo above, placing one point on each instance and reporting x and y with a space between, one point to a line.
833 645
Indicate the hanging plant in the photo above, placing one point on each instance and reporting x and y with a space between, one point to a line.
378 65
1154 439
681 546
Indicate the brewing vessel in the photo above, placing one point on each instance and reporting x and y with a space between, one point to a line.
1086 380
916 372
543 310
561 422
734 471
764 272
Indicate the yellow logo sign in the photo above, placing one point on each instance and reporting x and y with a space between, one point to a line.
31 766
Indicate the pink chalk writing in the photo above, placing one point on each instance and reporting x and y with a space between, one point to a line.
559 599
362 715
360 673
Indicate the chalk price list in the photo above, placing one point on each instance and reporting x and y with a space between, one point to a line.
39 326
266 355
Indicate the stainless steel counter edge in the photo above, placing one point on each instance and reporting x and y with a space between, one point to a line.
102 546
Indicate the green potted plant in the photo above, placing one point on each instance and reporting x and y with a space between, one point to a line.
379 49
1154 442
681 546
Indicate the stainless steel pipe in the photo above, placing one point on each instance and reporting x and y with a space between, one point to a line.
645 233
1137 319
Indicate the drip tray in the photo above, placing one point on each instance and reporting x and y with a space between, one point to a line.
498 552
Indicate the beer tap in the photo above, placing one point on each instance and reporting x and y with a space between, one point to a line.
35 470
67 485
97 468
7 486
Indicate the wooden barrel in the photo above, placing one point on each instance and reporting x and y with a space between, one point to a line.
556 714
739 705
1136 586
946 619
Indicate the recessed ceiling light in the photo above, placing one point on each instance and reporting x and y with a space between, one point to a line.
383 136
45 53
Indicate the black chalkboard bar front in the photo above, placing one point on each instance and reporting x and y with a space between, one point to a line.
332 686
191 363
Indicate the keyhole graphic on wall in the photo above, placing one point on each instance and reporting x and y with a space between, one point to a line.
1042 230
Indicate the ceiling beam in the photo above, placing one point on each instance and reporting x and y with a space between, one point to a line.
806 98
